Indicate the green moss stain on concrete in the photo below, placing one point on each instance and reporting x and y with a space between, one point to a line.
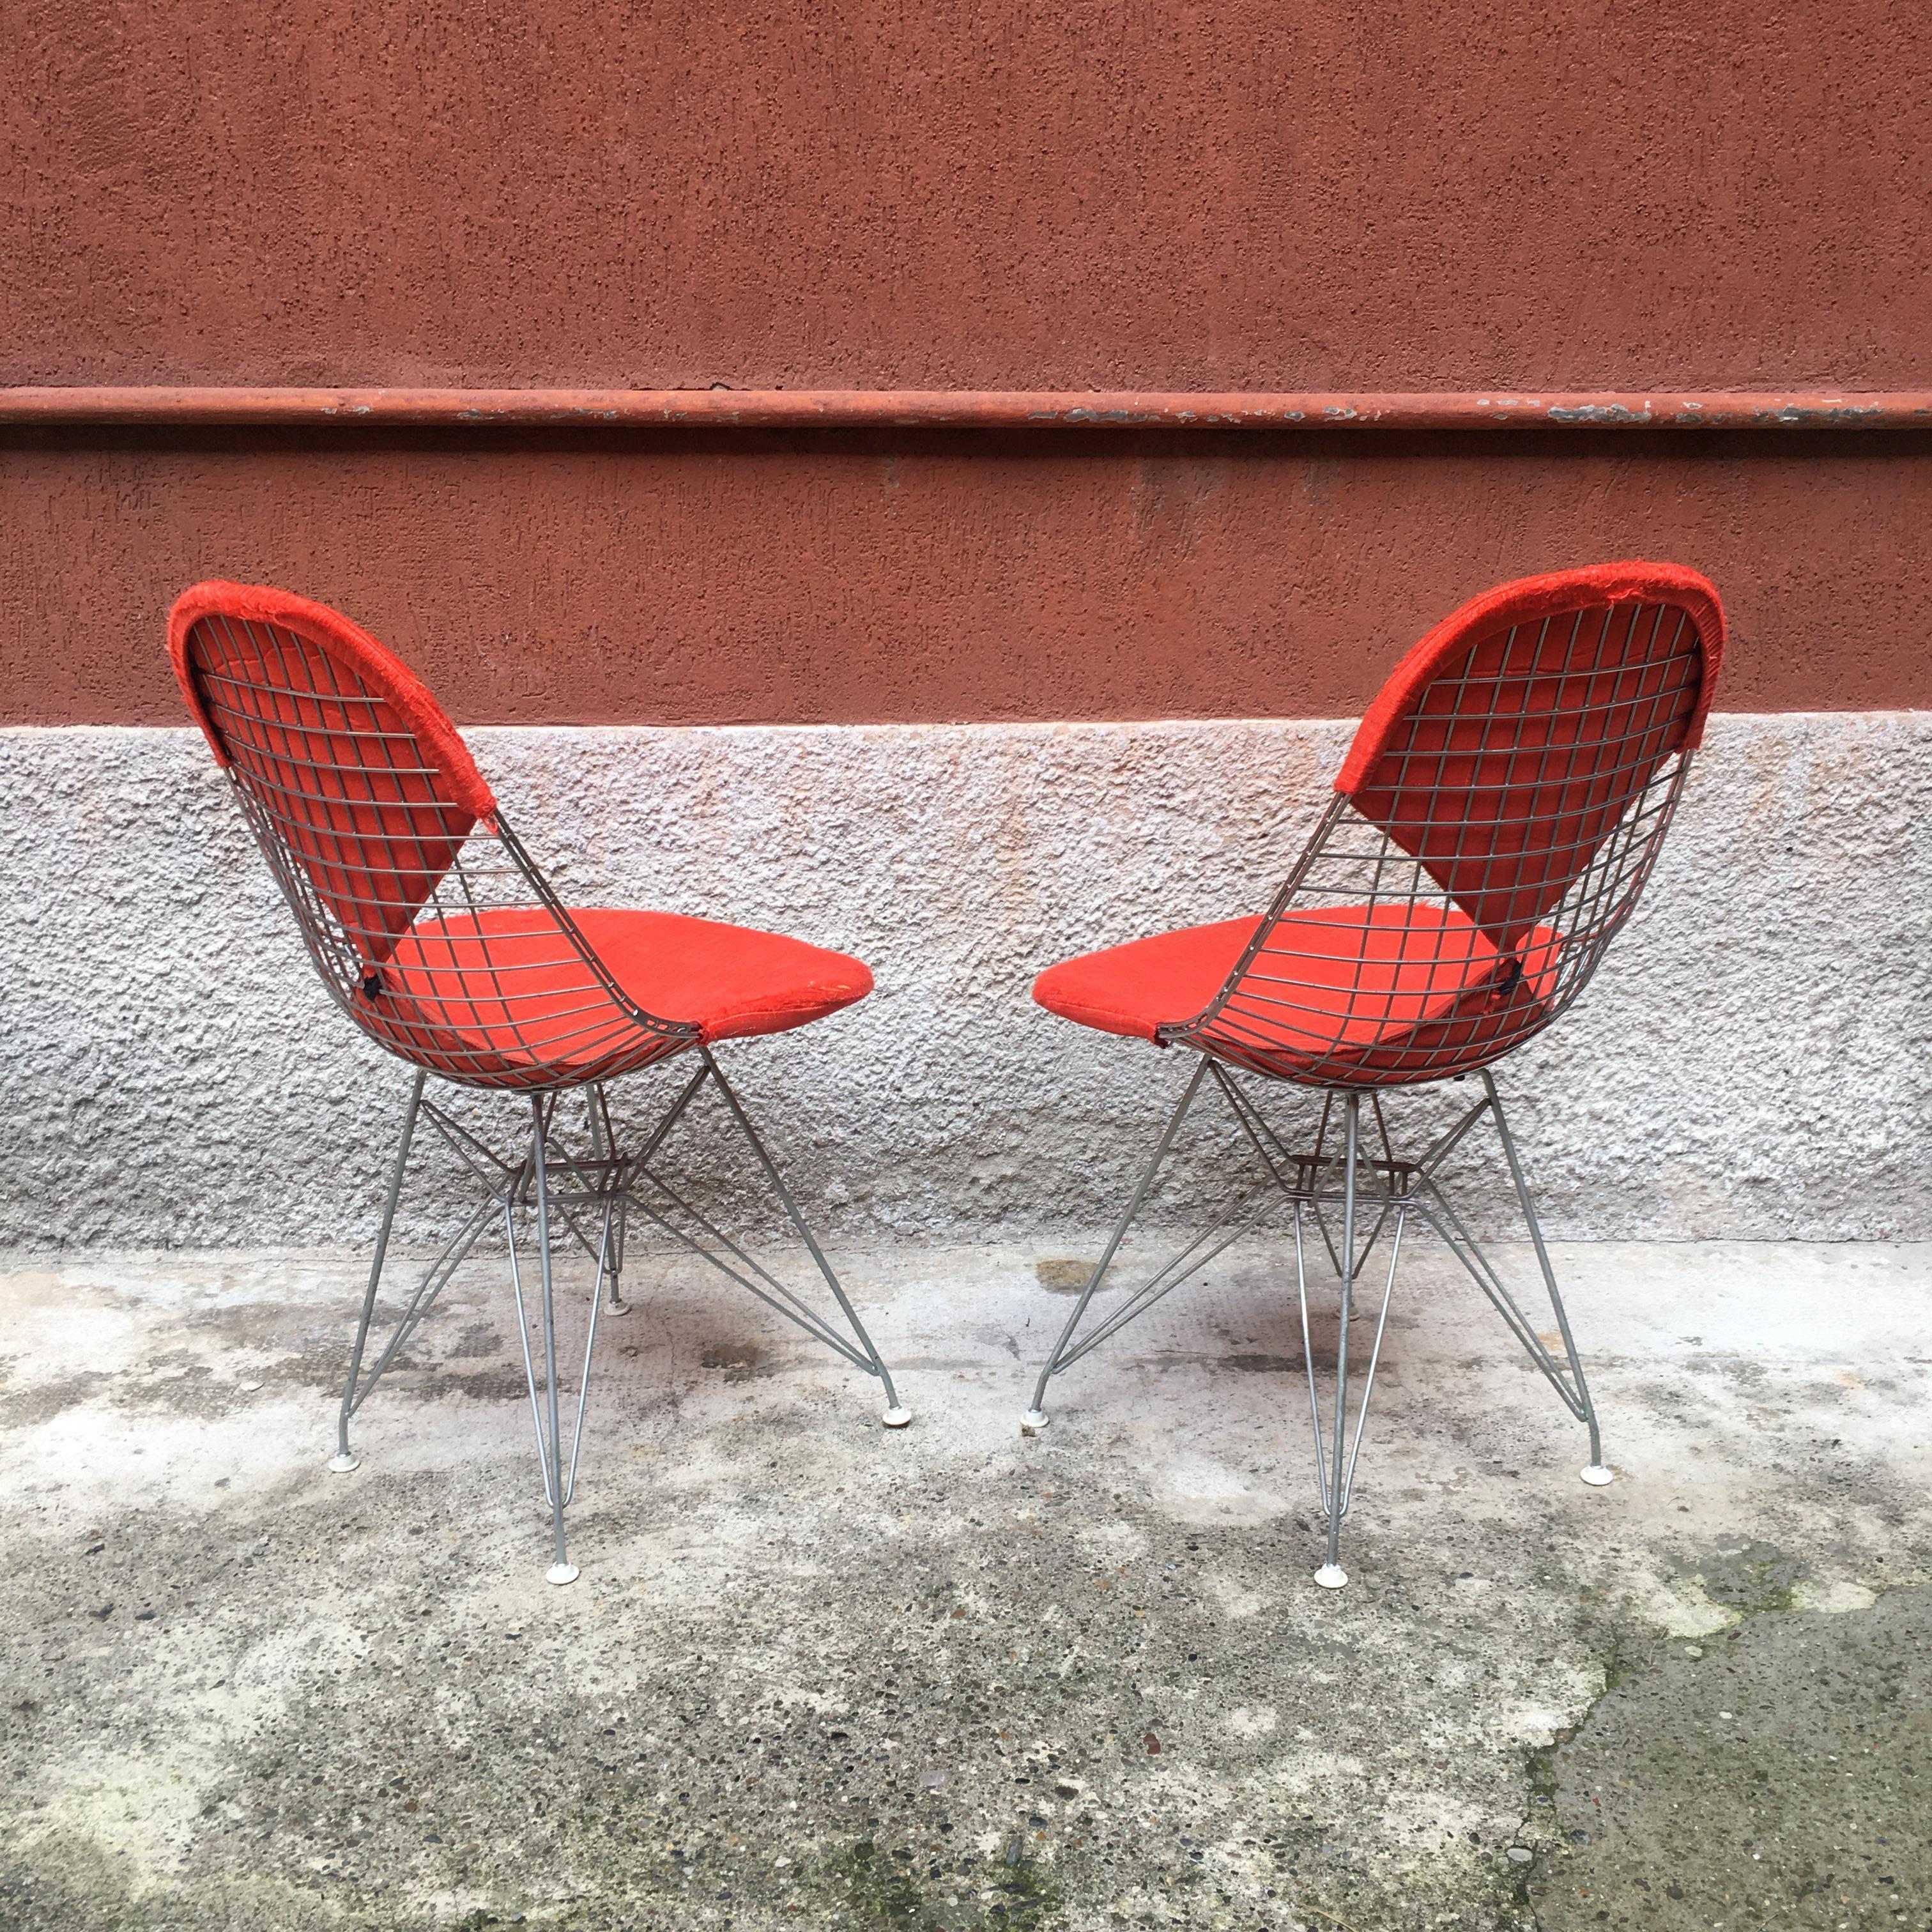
955 1680
1777 1774
1748 1575
881 1890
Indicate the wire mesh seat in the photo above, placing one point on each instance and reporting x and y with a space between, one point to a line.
1498 812
439 935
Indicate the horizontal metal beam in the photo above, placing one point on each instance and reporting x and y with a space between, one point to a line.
970 409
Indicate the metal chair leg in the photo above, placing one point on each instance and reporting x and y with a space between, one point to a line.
1331 1576
896 1415
530 1189
344 1462
1335 1460
562 1571
1597 1472
604 1145
1037 1417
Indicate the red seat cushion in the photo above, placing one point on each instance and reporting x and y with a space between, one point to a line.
1136 988
733 981
1346 983
510 983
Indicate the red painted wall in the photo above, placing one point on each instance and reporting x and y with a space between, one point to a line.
1240 194
718 580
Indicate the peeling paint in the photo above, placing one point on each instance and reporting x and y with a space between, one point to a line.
957 408
1599 412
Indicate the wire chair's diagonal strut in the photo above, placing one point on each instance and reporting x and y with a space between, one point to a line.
896 1415
1446 1223
1370 1188
586 1199
1597 1473
1308 1169
604 1145
752 1276
1037 1416
344 1462
1188 1263
435 1278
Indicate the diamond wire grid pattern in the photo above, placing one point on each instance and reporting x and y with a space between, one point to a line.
1462 897
1493 827
1348 1193
437 933
434 931
562 1193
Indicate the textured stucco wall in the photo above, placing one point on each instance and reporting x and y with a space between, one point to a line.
708 579
1751 1061
870 194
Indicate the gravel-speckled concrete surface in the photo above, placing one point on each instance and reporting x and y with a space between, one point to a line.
818 1673
1749 1063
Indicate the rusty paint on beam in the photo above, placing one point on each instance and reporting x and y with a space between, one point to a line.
965 409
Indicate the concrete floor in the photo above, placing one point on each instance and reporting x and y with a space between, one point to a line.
814 1672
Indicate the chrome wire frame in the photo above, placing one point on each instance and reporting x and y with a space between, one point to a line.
439 935
1366 1185
1461 900
587 1198
1489 836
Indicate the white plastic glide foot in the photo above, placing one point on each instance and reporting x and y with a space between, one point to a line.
1033 1421
896 1418
1331 1576
341 1466
561 1573
1598 1475
617 1310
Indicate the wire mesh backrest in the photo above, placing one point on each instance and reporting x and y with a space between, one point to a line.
430 924
1499 813
1514 739
323 736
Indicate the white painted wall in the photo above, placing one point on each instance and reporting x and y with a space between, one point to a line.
1752 1060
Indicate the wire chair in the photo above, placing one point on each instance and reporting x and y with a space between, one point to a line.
438 935
1502 806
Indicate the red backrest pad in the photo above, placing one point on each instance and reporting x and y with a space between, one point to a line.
1507 745
355 770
